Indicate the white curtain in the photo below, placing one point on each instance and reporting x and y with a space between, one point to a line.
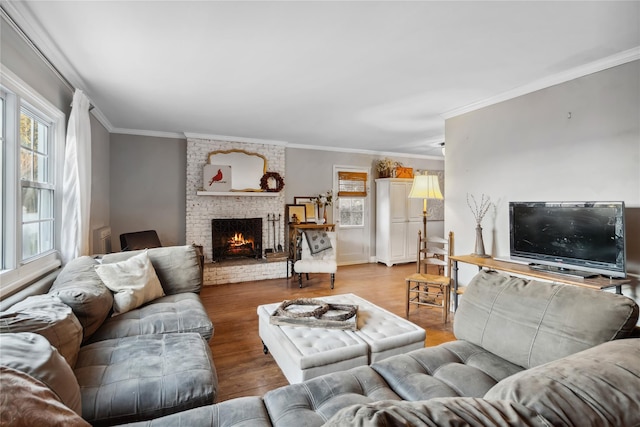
76 186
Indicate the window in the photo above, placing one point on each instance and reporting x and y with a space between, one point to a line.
352 191
32 135
351 211
37 185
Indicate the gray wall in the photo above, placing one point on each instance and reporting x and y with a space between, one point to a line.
148 181
21 59
528 149
310 172
100 172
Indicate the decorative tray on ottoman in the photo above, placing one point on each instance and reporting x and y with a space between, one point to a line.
315 313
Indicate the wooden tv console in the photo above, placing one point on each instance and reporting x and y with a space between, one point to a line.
597 283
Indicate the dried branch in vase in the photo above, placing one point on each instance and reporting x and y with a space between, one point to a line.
479 211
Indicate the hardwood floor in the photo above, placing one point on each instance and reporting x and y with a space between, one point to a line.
243 368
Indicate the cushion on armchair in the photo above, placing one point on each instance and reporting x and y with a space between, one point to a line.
321 262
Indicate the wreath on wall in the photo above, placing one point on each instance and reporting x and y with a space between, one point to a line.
271 181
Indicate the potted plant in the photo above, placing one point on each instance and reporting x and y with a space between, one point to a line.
385 167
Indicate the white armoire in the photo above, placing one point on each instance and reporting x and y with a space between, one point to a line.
398 219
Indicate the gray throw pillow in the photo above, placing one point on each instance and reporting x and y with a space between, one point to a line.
46 315
79 286
317 240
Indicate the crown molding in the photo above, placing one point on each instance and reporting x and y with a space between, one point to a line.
102 119
620 58
362 151
228 138
152 133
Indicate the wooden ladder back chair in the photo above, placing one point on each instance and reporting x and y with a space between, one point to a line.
434 252
431 290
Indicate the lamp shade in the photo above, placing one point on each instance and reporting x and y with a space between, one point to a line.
425 187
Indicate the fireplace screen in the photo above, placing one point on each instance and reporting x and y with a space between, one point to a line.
236 238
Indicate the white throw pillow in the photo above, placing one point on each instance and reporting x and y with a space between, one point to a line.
134 282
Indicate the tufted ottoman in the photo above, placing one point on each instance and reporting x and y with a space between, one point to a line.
303 353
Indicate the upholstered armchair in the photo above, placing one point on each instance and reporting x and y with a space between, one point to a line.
317 254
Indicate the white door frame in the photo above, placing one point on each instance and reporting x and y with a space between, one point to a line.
367 212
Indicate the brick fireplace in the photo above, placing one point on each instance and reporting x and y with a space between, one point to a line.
233 238
201 210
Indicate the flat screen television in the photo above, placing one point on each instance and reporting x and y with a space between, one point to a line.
576 238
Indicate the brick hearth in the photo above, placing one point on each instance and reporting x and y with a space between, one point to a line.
236 271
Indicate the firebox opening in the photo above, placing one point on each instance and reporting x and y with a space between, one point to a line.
236 238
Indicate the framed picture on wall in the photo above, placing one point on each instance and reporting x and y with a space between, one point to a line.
296 214
311 209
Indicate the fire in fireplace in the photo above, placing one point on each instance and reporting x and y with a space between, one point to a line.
236 238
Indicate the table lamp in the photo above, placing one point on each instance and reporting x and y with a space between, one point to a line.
425 187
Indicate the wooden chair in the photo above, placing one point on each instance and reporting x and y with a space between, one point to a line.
431 290
436 254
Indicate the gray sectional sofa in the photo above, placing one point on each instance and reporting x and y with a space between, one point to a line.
527 353
150 361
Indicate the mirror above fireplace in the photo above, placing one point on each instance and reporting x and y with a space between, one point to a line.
246 168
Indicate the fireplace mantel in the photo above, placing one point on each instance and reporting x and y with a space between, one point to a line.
238 193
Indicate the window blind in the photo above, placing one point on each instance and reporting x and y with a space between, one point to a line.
352 184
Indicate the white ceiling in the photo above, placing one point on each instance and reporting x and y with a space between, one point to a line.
361 75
